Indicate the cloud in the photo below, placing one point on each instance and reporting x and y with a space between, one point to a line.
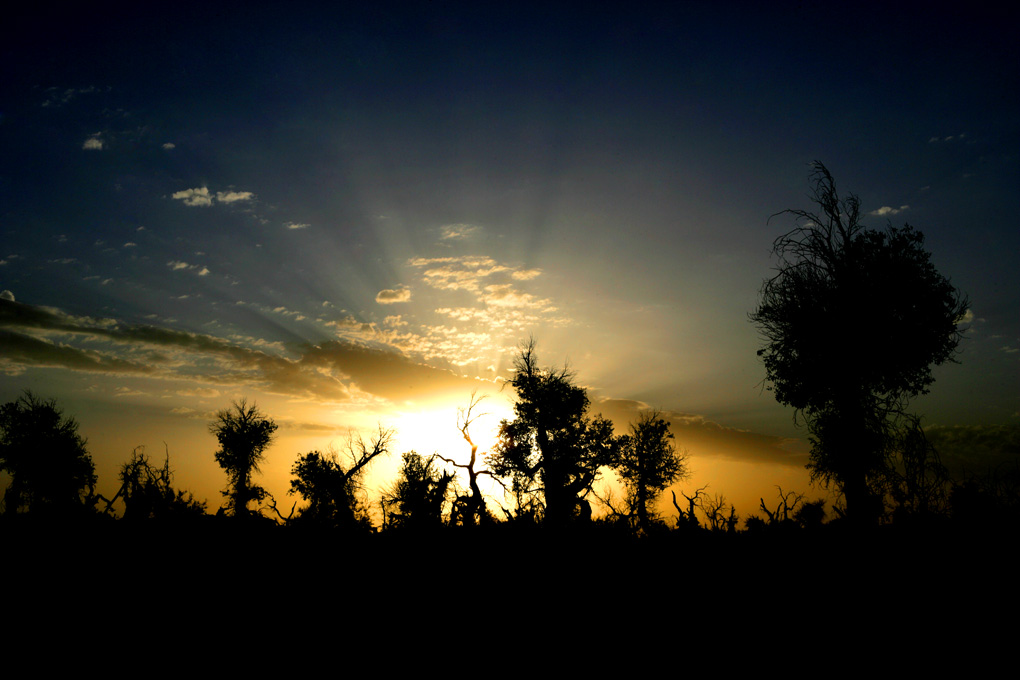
201 196
7 295
233 196
333 371
169 146
968 317
453 232
526 274
294 225
194 197
886 210
130 244
390 296
93 143
177 265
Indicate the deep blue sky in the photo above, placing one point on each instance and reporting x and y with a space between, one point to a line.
309 206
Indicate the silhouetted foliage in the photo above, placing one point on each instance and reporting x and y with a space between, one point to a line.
148 492
552 447
917 481
51 470
419 494
835 281
332 487
244 433
648 463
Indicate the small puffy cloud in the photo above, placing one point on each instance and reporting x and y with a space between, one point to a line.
177 264
295 225
169 146
389 296
93 143
204 271
886 210
233 196
451 232
7 295
967 317
194 197
130 244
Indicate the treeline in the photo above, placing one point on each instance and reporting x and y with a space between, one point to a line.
547 461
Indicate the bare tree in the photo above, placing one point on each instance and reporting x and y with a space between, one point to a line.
470 509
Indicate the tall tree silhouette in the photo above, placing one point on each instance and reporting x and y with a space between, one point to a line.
244 434
51 470
332 486
648 463
552 443
853 321
148 491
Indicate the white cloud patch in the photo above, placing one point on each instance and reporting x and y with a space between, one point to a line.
295 225
130 244
7 295
194 197
390 296
886 210
169 146
968 317
93 143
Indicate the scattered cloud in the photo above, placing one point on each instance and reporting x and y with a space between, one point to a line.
886 210
58 97
130 244
949 138
390 296
968 317
93 143
526 274
7 295
453 232
201 196
234 196
169 146
194 197
294 225
177 265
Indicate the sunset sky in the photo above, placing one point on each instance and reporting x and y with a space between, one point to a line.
353 216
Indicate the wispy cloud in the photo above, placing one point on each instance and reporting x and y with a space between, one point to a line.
454 232
202 197
390 296
234 196
169 146
886 210
177 265
295 225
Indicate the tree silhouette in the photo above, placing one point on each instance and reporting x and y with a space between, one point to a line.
244 433
332 487
148 491
852 321
552 444
469 509
648 463
419 494
51 470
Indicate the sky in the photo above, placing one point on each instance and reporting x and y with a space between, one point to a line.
353 216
